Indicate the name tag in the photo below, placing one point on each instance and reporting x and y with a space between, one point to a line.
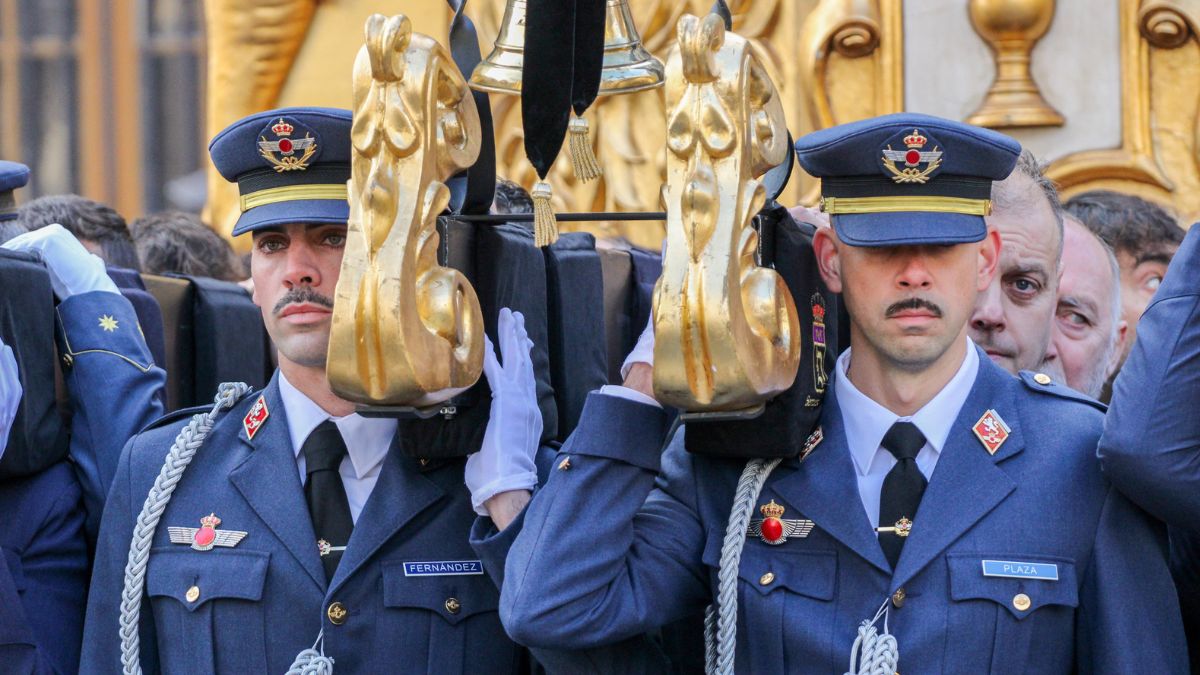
442 568
1020 570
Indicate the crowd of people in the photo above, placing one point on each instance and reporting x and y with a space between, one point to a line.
990 322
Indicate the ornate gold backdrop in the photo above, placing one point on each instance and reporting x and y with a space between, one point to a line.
833 61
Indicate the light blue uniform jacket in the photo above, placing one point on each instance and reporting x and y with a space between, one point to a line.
611 547
260 603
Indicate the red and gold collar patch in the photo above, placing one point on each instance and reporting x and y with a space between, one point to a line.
256 417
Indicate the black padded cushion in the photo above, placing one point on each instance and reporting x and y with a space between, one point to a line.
790 417
506 270
575 319
38 438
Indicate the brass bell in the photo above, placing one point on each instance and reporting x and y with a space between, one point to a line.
627 65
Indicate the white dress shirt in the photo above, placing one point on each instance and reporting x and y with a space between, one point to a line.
866 422
367 439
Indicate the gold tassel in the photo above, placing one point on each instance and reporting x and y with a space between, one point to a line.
545 227
582 157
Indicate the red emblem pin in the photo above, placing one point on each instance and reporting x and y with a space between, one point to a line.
255 418
774 529
991 431
205 537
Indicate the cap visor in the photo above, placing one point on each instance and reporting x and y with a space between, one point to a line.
908 228
334 211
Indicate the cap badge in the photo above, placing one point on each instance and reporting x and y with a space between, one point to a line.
820 377
255 418
774 529
205 537
919 164
991 431
278 143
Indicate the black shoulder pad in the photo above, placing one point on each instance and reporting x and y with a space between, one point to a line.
1041 383
175 416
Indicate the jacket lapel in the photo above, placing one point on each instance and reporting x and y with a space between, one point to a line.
824 487
270 483
966 484
399 495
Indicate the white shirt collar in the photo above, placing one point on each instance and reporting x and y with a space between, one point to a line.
367 439
866 421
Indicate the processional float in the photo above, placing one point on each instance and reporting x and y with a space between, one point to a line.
408 329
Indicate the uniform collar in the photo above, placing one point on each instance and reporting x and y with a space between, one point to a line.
367 439
866 421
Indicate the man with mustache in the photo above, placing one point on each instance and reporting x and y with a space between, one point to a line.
299 523
1014 316
945 517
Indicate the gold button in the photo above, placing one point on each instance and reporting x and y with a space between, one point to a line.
898 598
1021 602
193 594
452 605
766 579
1042 379
336 613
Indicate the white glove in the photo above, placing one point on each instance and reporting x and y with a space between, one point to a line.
10 393
505 462
72 269
643 351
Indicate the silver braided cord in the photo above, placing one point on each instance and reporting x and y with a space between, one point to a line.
710 639
749 486
313 661
874 653
189 440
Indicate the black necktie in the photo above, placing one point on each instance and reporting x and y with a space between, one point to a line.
902 488
325 494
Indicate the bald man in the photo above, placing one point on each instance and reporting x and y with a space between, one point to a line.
1088 334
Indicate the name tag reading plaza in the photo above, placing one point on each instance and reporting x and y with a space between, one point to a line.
442 568
1020 570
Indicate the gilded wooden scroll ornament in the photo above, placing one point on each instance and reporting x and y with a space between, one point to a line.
727 333
406 331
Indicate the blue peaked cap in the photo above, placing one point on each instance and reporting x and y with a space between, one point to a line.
907 179
13 175
290 165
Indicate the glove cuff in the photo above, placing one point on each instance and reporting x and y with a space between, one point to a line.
520 481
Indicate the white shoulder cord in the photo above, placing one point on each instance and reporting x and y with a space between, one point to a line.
879 653
186 444
722 632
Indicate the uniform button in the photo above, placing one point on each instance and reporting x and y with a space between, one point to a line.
1042 379
766 579
193 594
452 605
336 613
1021 602
898 598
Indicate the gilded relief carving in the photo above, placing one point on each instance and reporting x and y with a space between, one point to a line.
406 331
1160 115
726 330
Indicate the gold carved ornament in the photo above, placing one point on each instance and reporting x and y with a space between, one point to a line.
726 330
1012 28
406 331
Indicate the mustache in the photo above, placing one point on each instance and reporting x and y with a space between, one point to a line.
914 303
301 295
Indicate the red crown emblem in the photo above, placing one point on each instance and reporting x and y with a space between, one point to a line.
818 312
282 128
915 139
210 521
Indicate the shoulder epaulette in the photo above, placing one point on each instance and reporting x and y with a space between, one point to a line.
186 413
175 416
1044 384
